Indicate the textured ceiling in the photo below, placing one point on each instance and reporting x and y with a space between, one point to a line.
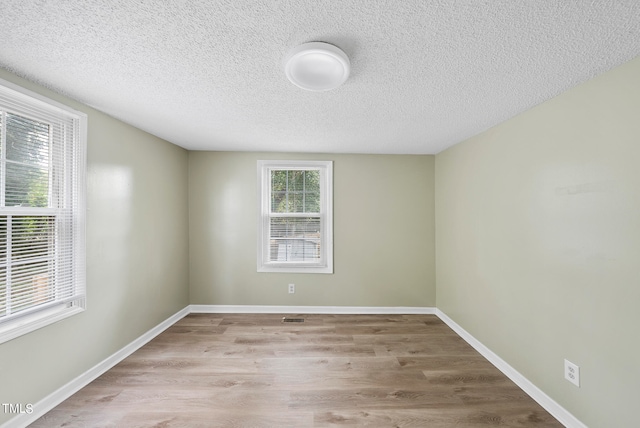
208 75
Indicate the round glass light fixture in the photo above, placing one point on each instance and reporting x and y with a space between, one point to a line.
317 66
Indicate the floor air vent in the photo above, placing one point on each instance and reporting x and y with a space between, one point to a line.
285 319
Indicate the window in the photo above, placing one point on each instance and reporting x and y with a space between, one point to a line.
296 217
42 173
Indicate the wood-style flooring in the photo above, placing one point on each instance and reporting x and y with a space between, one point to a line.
253 370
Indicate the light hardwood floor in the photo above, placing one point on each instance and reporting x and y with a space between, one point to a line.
248 370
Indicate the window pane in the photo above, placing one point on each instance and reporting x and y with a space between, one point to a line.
27 170
27 141
32 237
279 202
27 186
295 227
296 202
295 239
31 264
279 180
312 202
312 181
296 181
30 285
294 250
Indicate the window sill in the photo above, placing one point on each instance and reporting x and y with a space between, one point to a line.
296 269
29 323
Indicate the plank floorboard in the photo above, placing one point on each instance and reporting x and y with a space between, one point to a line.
253 370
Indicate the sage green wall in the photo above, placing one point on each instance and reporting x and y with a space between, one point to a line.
538 244
383 233
137 258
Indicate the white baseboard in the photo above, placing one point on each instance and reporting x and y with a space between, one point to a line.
52 400
556 410
357 310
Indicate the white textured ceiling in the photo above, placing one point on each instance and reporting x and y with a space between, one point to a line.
208 75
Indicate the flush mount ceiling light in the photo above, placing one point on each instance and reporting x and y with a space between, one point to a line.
317 66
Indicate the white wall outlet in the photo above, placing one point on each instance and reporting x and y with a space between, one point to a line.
292 288
572 373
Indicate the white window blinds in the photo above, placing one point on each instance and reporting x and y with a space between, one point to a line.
42 169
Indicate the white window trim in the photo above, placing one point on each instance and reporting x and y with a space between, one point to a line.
50 314
326 216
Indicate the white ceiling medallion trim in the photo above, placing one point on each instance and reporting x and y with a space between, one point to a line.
317 66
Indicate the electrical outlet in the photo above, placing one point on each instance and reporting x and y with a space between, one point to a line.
572 373
292 288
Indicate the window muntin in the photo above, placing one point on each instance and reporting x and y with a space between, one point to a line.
295 216
42 167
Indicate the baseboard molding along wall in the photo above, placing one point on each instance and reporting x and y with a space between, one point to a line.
66 391
355 310
559 412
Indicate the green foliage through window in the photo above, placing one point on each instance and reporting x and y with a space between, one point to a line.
295 191
27 162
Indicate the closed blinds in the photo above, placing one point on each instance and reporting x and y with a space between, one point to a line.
42 164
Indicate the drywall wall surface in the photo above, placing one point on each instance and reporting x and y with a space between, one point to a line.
538 243
383 233
137 258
